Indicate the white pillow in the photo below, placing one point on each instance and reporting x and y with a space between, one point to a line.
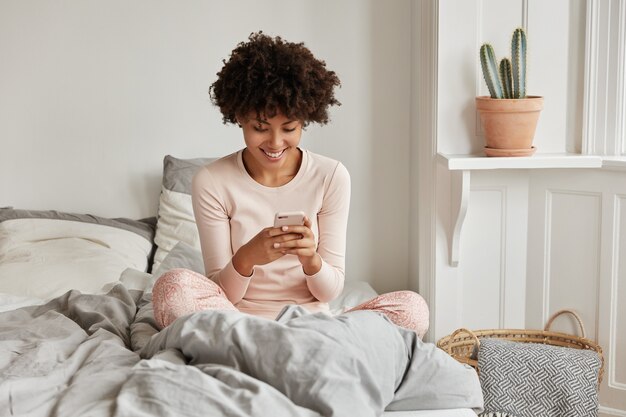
353 294
44 254
182 255
176 221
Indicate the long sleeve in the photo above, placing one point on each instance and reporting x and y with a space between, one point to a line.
332 220
231 208
215 237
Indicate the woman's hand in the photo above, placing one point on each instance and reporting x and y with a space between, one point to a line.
273 243
263 248
304 247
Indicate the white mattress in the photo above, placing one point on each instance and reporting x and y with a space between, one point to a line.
457 412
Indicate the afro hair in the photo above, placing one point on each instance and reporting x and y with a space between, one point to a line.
269 76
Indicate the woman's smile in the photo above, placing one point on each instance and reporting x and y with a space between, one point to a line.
273 155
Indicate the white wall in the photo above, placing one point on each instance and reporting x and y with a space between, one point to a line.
94 94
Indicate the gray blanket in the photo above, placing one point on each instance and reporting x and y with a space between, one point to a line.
97 355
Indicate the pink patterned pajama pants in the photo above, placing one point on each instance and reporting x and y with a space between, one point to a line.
179 292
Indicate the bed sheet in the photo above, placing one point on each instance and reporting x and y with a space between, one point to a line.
97 353
109 335
10 302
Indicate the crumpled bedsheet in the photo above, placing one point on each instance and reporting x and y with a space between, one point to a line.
102 355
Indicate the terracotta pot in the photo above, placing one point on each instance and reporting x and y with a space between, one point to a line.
509 124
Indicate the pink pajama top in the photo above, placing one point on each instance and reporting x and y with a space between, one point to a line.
231 208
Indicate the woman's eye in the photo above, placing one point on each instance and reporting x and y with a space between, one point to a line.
290 130
259 129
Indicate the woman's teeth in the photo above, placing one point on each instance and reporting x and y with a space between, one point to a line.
274 155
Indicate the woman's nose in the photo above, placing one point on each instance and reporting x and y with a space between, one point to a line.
276 138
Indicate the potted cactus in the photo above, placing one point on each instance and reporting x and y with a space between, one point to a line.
509 116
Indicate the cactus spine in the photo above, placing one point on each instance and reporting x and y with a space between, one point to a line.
490 70
509 79
505 76
518 55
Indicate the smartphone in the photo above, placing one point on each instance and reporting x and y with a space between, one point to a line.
289 218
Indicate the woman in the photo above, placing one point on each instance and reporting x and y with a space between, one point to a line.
272 89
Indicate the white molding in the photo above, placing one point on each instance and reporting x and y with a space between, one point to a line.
612 411
620 125
547 239
537 161
605 79
503 250
605 114
614 164
591 68
427 48
615 265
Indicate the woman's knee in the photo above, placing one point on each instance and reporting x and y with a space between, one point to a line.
174 294
415 314
406 309
180 276
420 311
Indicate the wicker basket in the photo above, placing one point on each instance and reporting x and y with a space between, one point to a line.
463 344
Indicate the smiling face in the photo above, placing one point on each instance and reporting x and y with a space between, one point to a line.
271 153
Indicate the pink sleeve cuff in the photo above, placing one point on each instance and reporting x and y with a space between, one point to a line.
326 284
233 283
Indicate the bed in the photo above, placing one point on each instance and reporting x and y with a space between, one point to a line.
77 335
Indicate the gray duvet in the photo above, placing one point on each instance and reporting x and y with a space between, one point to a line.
101 355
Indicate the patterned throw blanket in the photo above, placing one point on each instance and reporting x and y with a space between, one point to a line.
536 380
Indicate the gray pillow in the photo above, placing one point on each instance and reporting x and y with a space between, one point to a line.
533 379
143 227
176 221
178 173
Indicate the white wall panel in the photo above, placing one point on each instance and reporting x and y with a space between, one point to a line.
457 82
556 51
612 325
496 21
556 39
487 288
484 259
573 222
577 260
